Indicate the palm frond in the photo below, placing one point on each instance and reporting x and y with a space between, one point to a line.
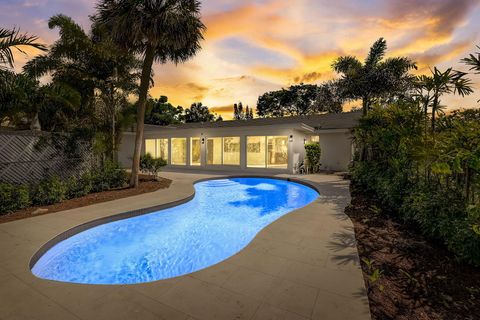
346 64
377 52
473 61
172 27
10 39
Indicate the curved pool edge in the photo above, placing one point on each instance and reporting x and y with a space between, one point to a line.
142 211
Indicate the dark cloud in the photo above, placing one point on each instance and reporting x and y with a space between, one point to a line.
446 15
308 77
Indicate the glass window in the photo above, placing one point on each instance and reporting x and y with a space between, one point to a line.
195 152
315 139
179 151
162 149
150 147
277 156
256 152
231 151
214 151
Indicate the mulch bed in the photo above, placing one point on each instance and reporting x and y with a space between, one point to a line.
419 279
145 185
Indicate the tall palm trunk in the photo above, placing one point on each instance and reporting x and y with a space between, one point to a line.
142 98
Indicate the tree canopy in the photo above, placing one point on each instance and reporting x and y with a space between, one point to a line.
163 113
303 99
376 78
162 31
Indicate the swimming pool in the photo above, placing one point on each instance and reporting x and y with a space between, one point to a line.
222 218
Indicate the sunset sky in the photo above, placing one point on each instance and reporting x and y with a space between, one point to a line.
252 47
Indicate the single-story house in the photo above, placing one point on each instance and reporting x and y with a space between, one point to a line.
258 145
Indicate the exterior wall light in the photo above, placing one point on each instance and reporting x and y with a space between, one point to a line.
203 140
291 138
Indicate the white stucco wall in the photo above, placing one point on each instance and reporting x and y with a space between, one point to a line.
336 150
335 145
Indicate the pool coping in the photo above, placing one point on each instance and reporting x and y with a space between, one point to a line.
138 212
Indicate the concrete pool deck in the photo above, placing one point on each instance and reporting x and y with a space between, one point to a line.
302 266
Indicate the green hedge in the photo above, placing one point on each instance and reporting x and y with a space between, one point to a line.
13 197
313 153
53 190
48 191
423 177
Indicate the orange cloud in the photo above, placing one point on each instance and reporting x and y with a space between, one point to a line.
306 35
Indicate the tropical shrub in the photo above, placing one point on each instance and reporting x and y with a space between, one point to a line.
109 176
52 189
49 191
79 187
429 178
313 153
151 165
13 197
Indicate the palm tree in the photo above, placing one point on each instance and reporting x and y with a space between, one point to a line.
440 83
103 74
375 78
13 39
158 30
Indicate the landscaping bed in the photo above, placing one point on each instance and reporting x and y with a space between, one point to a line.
417 279
146 185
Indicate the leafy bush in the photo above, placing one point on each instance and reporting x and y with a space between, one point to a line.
52 190
313 153
151 165
79 187
49 191
109 176
13 197
430 179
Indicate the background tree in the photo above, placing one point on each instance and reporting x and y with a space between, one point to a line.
329 98
248 113
13 39
238 112
162 31
163 113
198 113
377 78
298 100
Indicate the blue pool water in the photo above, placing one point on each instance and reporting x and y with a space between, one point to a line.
222 218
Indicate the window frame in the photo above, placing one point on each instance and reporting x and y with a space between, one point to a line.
186 151
264 153
191 152
267 153
239 152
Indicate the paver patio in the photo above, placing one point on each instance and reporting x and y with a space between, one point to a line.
302 266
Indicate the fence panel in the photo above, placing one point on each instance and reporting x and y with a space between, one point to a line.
29 156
